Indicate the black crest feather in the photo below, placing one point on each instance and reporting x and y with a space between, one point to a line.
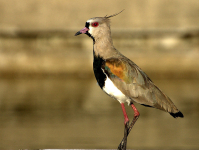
113 14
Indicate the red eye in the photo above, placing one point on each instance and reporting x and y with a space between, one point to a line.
95 24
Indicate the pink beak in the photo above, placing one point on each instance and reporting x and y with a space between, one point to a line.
84 30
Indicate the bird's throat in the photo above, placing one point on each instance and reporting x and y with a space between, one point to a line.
104 48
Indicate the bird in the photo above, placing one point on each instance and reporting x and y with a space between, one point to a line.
121 78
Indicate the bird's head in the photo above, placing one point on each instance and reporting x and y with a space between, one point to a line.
97 27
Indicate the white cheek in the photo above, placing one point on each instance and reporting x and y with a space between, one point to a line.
90 30
90 27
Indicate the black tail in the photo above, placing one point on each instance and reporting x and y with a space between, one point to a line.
178 114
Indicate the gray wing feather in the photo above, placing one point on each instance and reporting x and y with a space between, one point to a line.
142 90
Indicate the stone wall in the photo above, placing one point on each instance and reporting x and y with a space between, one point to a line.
66 14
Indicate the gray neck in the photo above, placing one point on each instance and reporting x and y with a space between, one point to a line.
104 48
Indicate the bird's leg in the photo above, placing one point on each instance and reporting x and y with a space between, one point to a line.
135 118
126 119
123 144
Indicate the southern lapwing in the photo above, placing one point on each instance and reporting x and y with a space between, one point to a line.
121 78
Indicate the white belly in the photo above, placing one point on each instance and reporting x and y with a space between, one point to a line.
114 92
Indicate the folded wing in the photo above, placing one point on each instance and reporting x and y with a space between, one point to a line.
135 84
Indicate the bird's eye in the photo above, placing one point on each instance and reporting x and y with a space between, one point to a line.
95 24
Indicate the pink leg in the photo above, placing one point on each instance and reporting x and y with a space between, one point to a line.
135 118
136 113
126 119
126 128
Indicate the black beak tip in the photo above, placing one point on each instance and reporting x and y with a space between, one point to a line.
78 33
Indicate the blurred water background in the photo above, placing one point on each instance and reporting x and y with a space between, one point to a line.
49 97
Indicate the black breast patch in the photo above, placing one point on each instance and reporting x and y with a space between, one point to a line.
97 68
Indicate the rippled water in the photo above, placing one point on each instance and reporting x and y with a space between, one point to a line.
75 113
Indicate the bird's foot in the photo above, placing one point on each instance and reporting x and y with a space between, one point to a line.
127 130
123 143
